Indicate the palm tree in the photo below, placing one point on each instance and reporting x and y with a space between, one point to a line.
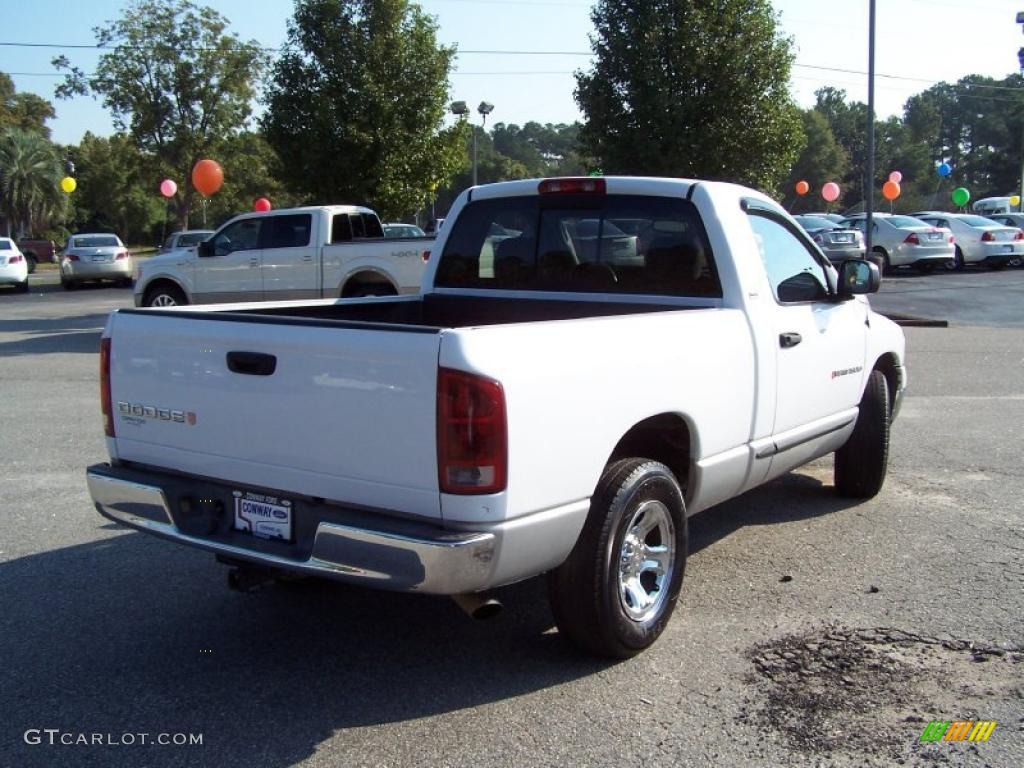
29 179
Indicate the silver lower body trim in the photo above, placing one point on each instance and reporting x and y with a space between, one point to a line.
445 564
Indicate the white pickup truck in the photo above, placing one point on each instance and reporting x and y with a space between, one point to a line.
590 361
291 253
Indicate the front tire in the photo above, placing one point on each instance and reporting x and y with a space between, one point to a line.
164 296
957 262
615 593
862 462
30 259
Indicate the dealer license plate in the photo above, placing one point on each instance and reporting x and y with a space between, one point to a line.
101 258
266 517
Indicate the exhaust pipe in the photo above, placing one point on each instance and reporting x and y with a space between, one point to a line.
478 605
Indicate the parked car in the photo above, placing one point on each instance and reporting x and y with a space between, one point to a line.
979 240
1011 220
95 256
36 251
186 238
398 230
509 423
838 243
13 265
289 253
903 241
434 226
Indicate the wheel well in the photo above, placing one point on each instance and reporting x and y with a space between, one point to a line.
889 365
665 438
365 278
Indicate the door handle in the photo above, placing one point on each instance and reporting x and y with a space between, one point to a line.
254 262
252 363
790 339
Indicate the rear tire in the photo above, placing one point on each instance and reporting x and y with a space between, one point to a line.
615 593
957 262
67 285
881 258
30 259
358 289
861 463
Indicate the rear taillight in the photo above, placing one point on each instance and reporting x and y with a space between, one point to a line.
1019 235
472 435
426 256
569 186
819 239
105 402
16 259
987 237
952 239
913 239
121 255
72 257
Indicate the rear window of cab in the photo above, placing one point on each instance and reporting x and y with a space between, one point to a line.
586 243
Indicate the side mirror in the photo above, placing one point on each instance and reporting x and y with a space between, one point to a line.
858 276
205 248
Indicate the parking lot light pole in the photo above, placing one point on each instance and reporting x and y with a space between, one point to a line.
869 203
1020 60
484 109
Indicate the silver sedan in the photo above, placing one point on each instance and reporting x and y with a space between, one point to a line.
95 257
838 243
903 241
980 240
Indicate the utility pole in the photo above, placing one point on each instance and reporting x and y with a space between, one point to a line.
869 200
1020 60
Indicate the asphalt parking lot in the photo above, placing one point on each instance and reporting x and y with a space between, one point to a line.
811 631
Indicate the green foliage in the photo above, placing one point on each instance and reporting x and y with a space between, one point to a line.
30 174
356 105
681 88
23 110
821 160
175 81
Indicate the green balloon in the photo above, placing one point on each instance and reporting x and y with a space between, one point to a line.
960 196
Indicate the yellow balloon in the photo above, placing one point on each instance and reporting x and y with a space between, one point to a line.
68 184
1015 200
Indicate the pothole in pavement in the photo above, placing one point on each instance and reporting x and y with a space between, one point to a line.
868 694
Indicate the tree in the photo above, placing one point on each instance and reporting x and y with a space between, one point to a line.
176 82
356 105
30 176
23 110
821 160
690 89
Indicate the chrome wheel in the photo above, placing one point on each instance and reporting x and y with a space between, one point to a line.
646 560
163 300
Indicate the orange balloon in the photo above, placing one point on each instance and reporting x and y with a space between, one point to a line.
207 177
890 190
802 187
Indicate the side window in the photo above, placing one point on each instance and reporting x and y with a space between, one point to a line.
243 235
358 227
341 230
287 231
371 225
793 271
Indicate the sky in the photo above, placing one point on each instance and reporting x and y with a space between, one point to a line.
919 43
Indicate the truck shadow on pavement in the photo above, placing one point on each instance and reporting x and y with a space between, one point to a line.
79 334
130 635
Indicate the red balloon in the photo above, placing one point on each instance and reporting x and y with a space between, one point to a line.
890 190
207 177
261 204
802 187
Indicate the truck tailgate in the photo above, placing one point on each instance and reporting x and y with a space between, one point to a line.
346 414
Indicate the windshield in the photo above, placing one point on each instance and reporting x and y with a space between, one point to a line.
977 221
5 245
813 222
95 241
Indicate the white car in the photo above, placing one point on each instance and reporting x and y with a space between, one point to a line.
13 266
905 241
979 240
95 257
187 239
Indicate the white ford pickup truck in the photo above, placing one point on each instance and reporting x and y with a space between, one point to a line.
291 253
590 361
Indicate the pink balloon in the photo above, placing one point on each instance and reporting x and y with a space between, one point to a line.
830 192
168 188
261 204
895 177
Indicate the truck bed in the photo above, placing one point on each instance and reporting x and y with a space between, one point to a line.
431 312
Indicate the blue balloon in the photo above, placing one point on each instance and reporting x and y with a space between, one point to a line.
945 169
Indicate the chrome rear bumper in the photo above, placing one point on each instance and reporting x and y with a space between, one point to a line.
437 562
